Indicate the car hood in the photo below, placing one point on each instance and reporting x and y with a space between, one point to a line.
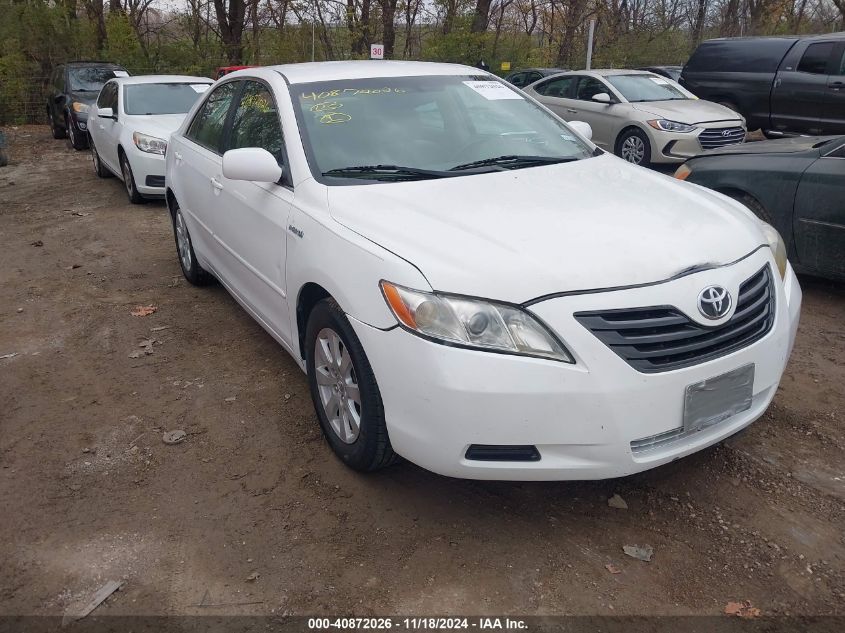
688 111
517 235
161 125
778 146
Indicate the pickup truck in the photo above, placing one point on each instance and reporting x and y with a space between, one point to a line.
782 85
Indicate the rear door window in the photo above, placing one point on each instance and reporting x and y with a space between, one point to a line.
207 127
560 87
816 58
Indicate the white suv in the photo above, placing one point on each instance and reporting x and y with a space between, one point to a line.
468 281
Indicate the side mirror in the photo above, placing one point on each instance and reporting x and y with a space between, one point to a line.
105 113
255 164
582 128
602 97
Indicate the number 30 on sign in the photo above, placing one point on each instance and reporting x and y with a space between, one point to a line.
376 51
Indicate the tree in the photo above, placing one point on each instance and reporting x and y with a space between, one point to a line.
231 19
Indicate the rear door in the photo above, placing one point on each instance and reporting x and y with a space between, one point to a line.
833 117
801 86
249 219
197 165
556 94
819 219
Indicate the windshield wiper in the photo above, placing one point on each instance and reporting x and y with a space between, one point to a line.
386 171
513 161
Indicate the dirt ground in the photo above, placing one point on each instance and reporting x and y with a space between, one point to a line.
252 514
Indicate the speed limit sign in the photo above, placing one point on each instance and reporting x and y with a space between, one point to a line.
376 51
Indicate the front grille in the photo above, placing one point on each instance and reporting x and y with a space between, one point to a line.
661 338
721 137
155 181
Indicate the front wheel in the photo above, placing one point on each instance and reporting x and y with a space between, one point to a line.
99 169
129 181
344 390
633 145
76 139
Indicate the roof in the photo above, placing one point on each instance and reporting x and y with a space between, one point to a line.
163 79
329 71
792 38
610 72
84 62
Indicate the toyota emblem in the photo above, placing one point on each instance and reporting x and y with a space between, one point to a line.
714 302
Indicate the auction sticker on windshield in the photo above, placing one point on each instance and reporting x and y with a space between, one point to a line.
492 90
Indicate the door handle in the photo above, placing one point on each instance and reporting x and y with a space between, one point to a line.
571 111
216 184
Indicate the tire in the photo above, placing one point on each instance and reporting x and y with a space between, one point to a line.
129 181
191 269
75 139
101 170
753 204
730 105
56 131
4 158
633 146
337 372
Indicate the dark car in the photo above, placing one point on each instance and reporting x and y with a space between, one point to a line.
779 84
797 185
672 72
526 76
73 89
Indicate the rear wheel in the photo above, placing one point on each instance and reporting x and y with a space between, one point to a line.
194 273
129 181
55 130
633 145
344 390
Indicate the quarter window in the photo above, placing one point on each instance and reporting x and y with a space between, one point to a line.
815 58
207 127
256 122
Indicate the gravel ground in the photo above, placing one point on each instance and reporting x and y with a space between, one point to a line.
252 514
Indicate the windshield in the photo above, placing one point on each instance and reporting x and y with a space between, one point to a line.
646 88
429 126
92 78
161 98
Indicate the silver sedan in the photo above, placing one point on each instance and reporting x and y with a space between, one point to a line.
640 116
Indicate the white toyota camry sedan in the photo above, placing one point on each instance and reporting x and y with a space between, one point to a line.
468 281
131 123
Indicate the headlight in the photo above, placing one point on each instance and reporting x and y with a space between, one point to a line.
670 126
776 244
473 323
78 107
150 144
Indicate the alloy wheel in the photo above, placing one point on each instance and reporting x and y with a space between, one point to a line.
633 149
127 176
183 242
337 385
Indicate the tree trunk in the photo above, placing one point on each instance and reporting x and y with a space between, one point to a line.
481 19
230 20
388 14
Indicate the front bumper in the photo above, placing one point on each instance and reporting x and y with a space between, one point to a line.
148 170
677 147
582 418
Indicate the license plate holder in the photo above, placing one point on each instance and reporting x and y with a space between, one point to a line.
716 399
